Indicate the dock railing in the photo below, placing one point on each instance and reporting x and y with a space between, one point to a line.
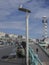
33 58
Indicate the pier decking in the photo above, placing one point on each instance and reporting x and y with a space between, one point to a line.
42 56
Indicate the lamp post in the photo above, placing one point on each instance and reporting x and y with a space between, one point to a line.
27 37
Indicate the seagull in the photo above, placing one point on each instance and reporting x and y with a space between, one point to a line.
21 6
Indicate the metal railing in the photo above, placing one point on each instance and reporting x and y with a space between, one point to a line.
33 58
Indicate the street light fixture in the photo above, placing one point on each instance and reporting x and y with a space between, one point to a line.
27 37
24 10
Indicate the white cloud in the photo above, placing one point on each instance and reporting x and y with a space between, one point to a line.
12 25
8 7
3 13
42 12
6 4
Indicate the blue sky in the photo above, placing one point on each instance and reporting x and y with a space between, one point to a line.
13 21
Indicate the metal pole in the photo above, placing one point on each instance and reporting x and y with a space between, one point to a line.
27 41
27 17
